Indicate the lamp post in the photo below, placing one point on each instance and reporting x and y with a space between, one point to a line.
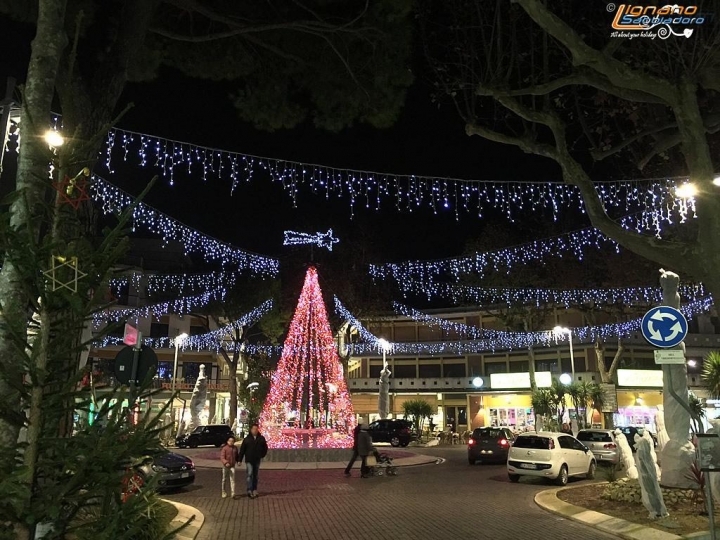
560 330
178 341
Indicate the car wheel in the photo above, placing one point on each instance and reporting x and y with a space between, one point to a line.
471 461
514 478
395 442
404 444
562 477
193 444
591 471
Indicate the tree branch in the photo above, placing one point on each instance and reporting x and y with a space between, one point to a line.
599 155
617 72
616 359
526 144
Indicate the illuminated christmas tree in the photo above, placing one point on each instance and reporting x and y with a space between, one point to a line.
308 403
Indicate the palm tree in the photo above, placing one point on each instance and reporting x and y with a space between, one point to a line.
711 373
596 395
544 404
698 412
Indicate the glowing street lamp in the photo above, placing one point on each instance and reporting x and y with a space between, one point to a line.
716 180
178 341
477 382
54 138
686 191
559 331
385 347
565 379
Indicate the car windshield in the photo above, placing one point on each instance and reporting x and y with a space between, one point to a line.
488 433
532 441
594 436
198 429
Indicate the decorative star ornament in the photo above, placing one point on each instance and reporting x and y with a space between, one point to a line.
67 267
72 191
322 240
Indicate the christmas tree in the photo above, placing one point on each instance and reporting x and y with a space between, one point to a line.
308 404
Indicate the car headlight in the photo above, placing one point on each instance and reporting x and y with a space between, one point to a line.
159 468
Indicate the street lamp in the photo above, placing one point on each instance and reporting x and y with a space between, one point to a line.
178 341
386 347
477 382
559 331
53 138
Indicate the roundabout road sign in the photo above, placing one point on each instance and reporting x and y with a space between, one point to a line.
664 327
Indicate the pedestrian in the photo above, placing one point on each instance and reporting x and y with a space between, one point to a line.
228 458
354 456
253 449
566 429
364 449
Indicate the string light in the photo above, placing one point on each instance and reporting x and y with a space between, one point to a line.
321 240
308 382
520 340
424 275
114 201
178 306
213 340
409 192
526 296
364 333
155 284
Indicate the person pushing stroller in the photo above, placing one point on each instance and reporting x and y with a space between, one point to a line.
364 449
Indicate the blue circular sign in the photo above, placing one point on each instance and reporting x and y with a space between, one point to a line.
664 327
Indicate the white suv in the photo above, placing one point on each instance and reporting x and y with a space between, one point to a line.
549 455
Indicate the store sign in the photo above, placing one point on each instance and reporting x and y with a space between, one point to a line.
511 381
610 403
640 377
709 452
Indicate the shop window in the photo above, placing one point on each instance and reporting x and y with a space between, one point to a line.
191 371
454 370
404 372
196 330
430 371
547 365
164 370
462 415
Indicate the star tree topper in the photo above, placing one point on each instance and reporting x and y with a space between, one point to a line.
322 240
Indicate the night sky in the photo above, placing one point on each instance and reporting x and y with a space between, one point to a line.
426 140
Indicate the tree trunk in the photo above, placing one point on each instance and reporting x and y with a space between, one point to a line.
26 212
531 368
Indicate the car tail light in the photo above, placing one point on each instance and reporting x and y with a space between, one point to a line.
504 442
471 442
610 446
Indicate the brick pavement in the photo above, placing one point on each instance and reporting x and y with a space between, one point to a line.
447 501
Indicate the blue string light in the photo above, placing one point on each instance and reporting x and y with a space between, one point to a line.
368 188
114 201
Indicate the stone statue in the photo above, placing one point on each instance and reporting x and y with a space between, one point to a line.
384 395
197 402
652 497
626 456
646 435
662 436
677 453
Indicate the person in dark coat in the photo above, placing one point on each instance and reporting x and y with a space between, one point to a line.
354 456
253 449
364 449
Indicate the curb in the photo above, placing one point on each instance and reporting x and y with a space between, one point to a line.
548 500
186 513
414 461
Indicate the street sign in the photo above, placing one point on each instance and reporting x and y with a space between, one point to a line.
664 327
147 363
675 356
130 336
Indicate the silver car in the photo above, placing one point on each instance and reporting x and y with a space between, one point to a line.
601 443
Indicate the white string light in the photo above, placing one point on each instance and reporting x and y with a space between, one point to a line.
114 201
527 296
409 192
321 240
179 306
155 284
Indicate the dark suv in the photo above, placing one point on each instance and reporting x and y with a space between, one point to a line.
396 432
215 435
489 444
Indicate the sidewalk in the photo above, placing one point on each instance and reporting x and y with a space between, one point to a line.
210 459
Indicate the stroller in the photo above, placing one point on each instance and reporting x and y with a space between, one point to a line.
383 465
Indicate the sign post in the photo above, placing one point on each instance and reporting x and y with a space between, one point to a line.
708 450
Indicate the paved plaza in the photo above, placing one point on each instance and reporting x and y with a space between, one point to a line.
451 500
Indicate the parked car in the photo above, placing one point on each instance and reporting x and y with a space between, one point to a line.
395 432
631 431
173 470
489 444
212 435
555 456
601 443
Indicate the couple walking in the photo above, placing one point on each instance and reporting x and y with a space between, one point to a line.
362 447
253 449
